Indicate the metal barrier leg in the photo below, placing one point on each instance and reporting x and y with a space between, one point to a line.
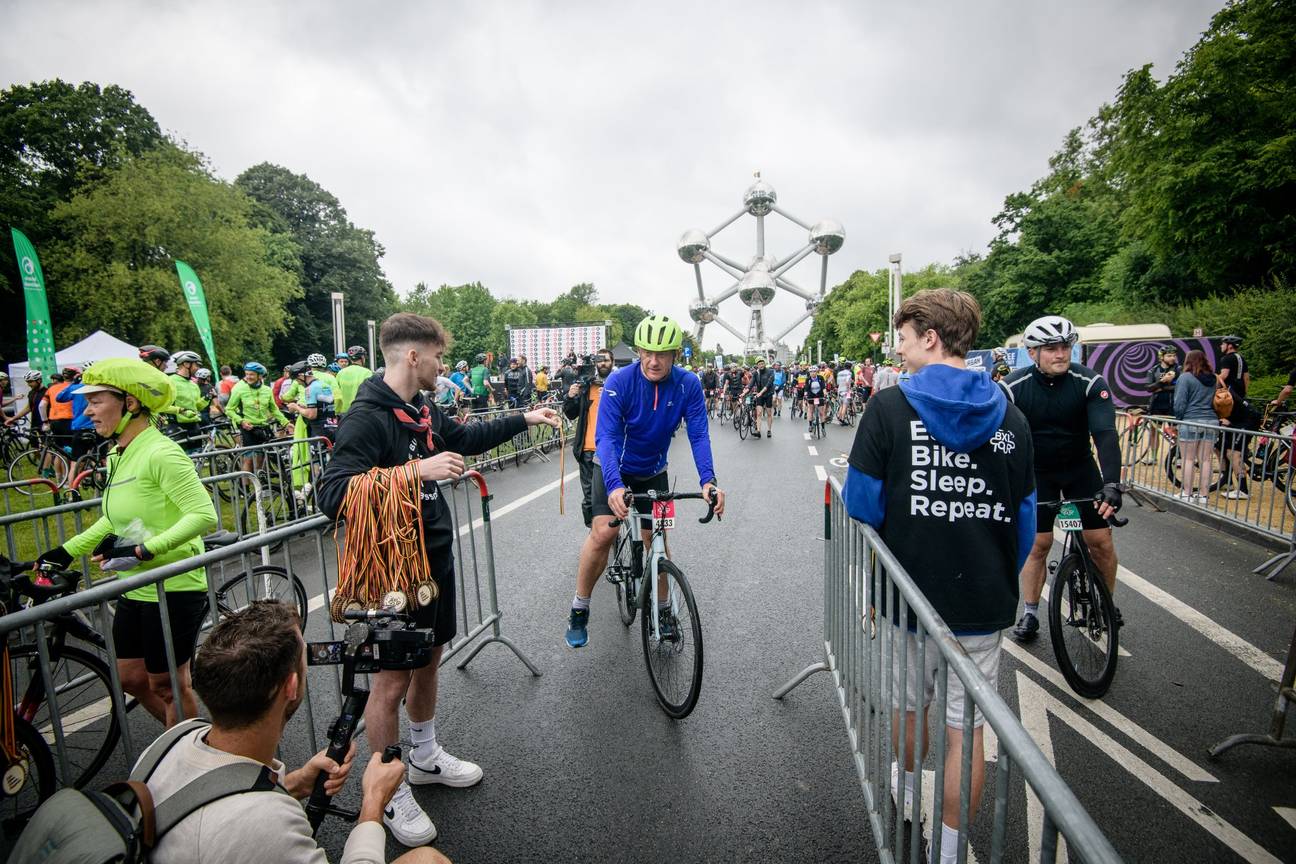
1286 696
799 677
1277 564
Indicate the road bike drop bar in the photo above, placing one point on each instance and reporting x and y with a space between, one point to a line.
655 496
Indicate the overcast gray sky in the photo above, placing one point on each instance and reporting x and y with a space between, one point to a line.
535 145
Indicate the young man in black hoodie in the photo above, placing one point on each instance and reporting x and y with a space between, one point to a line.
391 423
942 468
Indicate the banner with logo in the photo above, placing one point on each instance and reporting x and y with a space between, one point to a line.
547 346
197 300
40 335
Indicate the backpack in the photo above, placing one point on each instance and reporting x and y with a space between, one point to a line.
1222 402
119 824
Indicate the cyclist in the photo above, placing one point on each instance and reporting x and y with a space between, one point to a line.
845 378
207 400
816 395
155 356
780 381
182 417
58 416
350 379
35 393
638 411
82 428
762 387
733 387
155 511
479 379
341 360
710 382
1066 404
252 410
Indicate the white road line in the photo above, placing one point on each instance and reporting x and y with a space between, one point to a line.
1036 696
807 435
1034 717
821 474
1249 654
1288 813
1132 730
813 451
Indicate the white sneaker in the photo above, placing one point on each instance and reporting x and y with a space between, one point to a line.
446 769
1236 494
1200 499
406 820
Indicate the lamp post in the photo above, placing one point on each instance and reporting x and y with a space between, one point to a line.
893 302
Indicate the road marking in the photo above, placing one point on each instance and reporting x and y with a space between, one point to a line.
821 474
813 451
1037 703
1132 730
1288 813
1243 650
807 435
1066 607
1034 719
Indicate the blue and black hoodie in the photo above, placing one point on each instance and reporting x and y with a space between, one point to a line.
942 467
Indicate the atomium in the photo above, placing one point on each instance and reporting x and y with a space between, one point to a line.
758 282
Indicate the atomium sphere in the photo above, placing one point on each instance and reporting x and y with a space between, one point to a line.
703 311
764 263
827 235
756 288
812 305
759 198
692 245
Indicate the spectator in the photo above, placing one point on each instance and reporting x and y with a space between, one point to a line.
280 385
542 384
513 382
227 382
526 381
567 373
1193 394
1235 374
580 403
946 409
1161 382
251 675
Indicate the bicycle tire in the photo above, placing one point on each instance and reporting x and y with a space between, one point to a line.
676 704
629 562
87 752
1074 638
235 593
38 783
741 422
26 466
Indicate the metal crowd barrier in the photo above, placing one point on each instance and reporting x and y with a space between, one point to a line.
536 442
1152 463
860 574
477 596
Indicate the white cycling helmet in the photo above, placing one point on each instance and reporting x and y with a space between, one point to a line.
185 357
317 361
1050 330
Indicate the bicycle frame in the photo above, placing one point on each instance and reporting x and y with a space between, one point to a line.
655 553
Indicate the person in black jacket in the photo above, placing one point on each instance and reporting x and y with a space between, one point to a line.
390 423
580 403
1161 382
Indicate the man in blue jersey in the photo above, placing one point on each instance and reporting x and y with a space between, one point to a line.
640 407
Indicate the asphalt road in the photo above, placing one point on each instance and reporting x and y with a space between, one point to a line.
581 765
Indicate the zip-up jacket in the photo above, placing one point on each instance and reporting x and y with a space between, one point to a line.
637 418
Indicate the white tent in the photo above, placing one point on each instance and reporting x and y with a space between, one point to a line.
97 346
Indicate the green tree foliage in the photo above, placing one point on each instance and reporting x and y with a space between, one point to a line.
858 307
465 310
335 255
56 138
114 264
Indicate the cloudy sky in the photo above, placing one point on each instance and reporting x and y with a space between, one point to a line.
535 145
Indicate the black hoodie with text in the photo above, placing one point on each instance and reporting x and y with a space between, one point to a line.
372 435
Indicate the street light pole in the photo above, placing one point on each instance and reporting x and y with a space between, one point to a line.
893 301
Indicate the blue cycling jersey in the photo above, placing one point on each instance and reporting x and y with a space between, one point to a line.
779 379
637 417
80 421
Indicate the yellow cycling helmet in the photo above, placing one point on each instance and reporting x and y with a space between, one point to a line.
658 333
142 380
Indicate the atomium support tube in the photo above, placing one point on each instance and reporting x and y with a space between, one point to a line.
823 277
728 292
793 326
793 288
732 329
725 224
792 260
697 271
733 268
760 235
786 215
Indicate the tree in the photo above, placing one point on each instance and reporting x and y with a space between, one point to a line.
115 266
465 310
508 313
335 256
56 138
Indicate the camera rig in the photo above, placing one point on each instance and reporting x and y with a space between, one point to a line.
376 639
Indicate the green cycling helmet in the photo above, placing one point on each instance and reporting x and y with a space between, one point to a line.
658 333
152 388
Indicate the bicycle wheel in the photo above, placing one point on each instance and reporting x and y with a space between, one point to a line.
265 582
741 422
83 688
1083 635
27 465
624 572
675 660
27 782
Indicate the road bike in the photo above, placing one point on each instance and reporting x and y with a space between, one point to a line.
46 456
1081 613
672 638
745 420
817 427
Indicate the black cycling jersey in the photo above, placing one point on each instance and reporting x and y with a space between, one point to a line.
709 381
1064 411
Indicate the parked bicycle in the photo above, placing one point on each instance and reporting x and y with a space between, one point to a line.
672 638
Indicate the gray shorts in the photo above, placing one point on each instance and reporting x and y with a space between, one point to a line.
1191 434
984 651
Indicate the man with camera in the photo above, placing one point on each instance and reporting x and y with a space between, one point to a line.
580 403
251 676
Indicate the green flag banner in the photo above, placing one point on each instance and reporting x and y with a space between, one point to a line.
40 336
193 292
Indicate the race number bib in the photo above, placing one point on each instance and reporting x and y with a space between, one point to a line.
664 513
1068 518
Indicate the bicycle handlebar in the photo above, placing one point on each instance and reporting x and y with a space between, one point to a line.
1114 521
633 498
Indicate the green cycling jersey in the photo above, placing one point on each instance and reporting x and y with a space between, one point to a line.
154 498
253 405
188 401
479 379
348 383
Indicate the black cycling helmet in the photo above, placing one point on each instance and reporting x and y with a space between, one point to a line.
1231 339
301 367
480 358
153 352
355 352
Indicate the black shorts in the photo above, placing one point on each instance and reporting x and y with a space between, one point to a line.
1083 481
440 616
256 435
766 401
482 402
639 485
1242 417
137 629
